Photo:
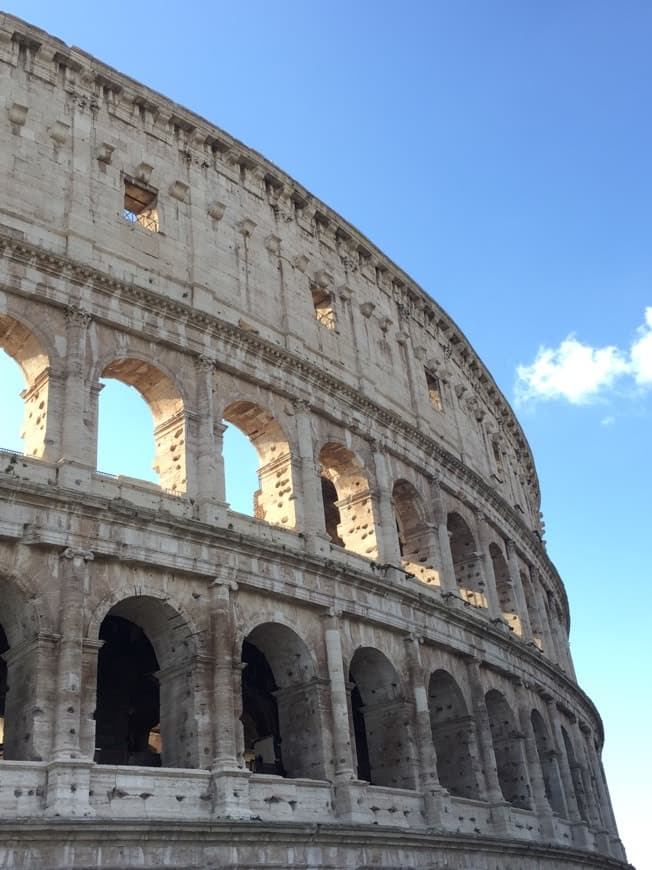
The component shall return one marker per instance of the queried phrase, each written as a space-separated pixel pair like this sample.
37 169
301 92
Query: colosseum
371 670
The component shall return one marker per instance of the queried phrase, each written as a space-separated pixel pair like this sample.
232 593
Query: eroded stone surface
374 670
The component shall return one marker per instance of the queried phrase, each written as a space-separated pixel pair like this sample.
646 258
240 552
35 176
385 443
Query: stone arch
381 716
165 401
576 775
147 591
512 773
145 705
415 534
350 519
281 704
466 562
274 501
505 589
548 762
453 735
28 350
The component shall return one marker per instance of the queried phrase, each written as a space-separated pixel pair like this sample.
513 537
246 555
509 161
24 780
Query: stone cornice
93 86
279 357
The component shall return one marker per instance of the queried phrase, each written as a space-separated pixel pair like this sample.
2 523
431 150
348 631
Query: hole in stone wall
139 205
434 390
322 302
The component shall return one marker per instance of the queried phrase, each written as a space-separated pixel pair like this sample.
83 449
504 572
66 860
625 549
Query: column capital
77 554
331 619
301 406
225 582
205 362
77 316
413 640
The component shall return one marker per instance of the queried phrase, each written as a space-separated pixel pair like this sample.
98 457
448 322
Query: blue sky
500 153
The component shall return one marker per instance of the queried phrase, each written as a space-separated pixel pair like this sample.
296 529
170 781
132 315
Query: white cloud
607 421
582 374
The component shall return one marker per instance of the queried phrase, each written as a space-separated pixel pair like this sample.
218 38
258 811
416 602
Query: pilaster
436 802
519 593
208 485
67 710
499 806
389 552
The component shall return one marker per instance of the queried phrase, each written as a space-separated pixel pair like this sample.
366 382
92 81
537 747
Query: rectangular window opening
322 302
140 205
434 390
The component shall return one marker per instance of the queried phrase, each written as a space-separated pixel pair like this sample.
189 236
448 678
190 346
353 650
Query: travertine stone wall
370 677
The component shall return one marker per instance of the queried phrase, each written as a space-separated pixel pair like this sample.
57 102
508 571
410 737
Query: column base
317 544
212 512
351 802
501 817
436 805
68 788
230 793
617 849
581 835
74 475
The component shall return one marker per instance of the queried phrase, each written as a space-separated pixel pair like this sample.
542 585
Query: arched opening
381 722
548 762
145 713
273 501
21 346
349 516
24 730
505 590
241 481
453 736
281 704
167 409
468 572
12 384
414 534
128 714
576 776
506 740
125 418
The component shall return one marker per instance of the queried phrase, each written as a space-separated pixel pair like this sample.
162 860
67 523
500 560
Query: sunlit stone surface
371 671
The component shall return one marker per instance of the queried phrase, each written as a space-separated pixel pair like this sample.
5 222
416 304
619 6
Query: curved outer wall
392 600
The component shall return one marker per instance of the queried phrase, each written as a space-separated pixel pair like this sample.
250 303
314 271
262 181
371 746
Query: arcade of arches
147 711
353 506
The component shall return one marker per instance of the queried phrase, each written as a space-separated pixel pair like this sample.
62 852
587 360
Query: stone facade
373 671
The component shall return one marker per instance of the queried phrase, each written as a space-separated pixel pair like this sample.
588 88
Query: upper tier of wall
242 242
